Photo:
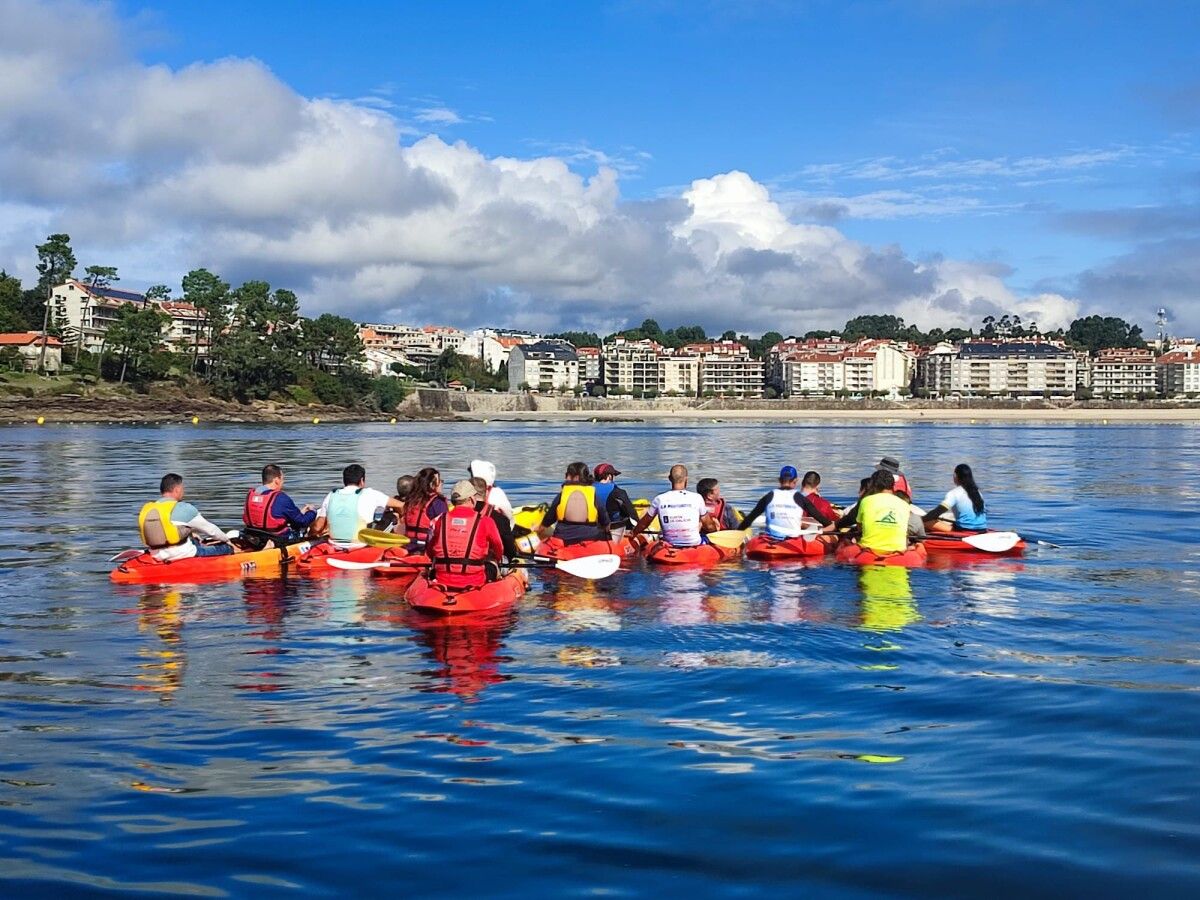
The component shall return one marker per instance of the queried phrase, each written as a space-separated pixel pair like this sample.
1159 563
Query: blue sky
1053 144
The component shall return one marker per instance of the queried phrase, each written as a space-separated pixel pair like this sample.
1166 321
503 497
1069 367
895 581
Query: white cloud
438 115
223 165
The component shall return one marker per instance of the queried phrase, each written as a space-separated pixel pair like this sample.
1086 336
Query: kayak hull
428 596
556 549
851 552
952 542
316 560
766 547
660 553
145 569
414 565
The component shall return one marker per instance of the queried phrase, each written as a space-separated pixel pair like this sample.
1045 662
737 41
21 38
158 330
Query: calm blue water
1026 726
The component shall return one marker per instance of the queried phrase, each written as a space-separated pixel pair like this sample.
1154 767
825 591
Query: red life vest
459 547
416 519
257 512
717 511
824 507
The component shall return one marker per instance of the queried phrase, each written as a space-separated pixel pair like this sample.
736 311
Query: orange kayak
766 547
145 569
556 549
851 552
430 597
405 573
660 553
952 542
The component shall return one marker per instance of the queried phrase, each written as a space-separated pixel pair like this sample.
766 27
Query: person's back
268 509
350 509
679 512
168 526
884 519
575 513
425 503
464 542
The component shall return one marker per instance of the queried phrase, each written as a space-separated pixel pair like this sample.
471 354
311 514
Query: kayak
851 552
317 559
145 569
406 572
952 542
766 547
430 597
556 549
528 518
660 553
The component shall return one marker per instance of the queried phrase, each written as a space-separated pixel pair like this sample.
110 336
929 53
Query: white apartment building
1021 368
934 368
427 341
1124 372
680 374
86 315
591 366
632 367
812 372
543 366
726 369
493 347
1179 372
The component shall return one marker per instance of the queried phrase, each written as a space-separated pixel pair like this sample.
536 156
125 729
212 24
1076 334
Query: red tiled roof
25 338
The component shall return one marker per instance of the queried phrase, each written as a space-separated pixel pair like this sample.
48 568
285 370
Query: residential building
543 366
591 365
1013 368
492 347
632 367
186 331
680 374
1124 372
424 343
727 369
84 314
28 345
1179 372
934 369
1083 369
812 372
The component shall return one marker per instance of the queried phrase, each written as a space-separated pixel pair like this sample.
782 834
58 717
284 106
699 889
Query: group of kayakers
471 535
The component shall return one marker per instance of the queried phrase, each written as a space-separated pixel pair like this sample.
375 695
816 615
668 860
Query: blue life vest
603 490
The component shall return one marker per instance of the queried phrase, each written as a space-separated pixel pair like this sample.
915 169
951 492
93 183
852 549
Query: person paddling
347 511
720 511
268 509
681 513
495 496
785 508
614 499
170 528
425 503
463 543
849 522
885 517
962 508
575 511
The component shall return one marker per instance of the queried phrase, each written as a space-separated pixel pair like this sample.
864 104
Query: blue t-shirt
965 516
183 513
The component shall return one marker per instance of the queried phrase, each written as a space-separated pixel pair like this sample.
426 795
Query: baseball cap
789 473
464 490
890 464
481 468
604 470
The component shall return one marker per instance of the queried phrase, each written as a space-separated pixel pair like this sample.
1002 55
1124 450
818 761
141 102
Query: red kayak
660 553
316 560
952 542
414 564
556 549
145 569
430 597
766 547
851 552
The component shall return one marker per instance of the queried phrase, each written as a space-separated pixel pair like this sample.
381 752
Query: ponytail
966 480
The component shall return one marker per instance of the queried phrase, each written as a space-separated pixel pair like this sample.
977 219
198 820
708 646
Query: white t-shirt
679 512
499 501
370 503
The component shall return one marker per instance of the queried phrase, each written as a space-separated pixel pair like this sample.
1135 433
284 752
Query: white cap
481 468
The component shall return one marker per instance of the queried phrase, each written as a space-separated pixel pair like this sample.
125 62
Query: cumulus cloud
221 164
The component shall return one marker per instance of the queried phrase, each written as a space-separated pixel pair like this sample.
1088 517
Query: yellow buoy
41 420
1104 421
316 421
195 420
392 420
972 421
485 421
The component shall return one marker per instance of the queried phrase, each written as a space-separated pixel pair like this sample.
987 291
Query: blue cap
788 473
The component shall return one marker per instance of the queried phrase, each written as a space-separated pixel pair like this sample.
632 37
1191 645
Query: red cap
604 470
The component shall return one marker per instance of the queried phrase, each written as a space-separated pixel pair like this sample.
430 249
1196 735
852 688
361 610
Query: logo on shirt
889 518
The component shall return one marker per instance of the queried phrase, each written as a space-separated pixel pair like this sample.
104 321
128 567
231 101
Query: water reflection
160 613
887 598
467 648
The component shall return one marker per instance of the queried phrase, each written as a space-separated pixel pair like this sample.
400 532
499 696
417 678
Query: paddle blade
375 538
350 566
993 541
126 555
728 540
590 567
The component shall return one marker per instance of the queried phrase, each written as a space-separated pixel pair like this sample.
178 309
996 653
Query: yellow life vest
884 521
588 493
157 529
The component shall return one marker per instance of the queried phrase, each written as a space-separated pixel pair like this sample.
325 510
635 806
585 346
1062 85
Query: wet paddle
988 541
728 540
126 555
592 568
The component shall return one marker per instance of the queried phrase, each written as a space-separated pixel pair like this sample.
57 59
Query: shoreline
954 414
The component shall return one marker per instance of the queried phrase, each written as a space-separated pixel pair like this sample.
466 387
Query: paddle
988 541
728 540
375 538
126 555
592 568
